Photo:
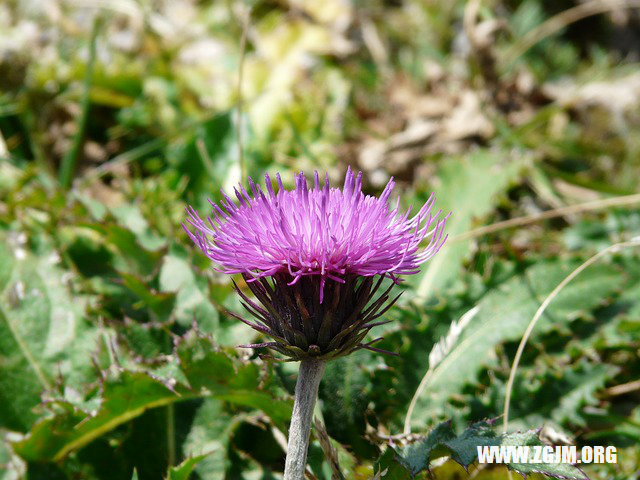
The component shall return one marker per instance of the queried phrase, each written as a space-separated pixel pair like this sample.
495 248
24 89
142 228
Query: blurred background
115 115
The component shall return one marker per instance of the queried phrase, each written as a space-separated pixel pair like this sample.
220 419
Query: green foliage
461 193
345 389
125 395
409 461
504 315
209 438
183 471
192 304
417 456
117 355
43 333
123 398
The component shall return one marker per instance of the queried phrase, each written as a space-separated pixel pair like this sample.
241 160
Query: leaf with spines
407 462
127 394
209 369
464 446
504 314
124 396
416 455
561 393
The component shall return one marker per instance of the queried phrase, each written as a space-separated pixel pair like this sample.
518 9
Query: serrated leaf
504 315
562 395
416 455
554 470
464 450
464 447
585 382
127 395
242 384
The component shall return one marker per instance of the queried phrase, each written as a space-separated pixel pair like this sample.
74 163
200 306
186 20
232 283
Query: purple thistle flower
309 256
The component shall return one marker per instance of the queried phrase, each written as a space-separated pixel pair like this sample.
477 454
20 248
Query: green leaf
124 397
43 334
591 288
130 256
127 395
555 470
585 383
130 217
416 455
183 471
463 448
389 467
242 384
466 190
160 304
562 393
345 389
207 157
209 438
504 315
191 293
527 16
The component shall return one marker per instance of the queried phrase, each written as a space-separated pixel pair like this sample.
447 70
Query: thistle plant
315 259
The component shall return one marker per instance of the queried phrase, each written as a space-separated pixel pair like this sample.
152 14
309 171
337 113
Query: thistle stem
309 377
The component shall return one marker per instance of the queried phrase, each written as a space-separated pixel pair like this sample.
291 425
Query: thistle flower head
309 255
